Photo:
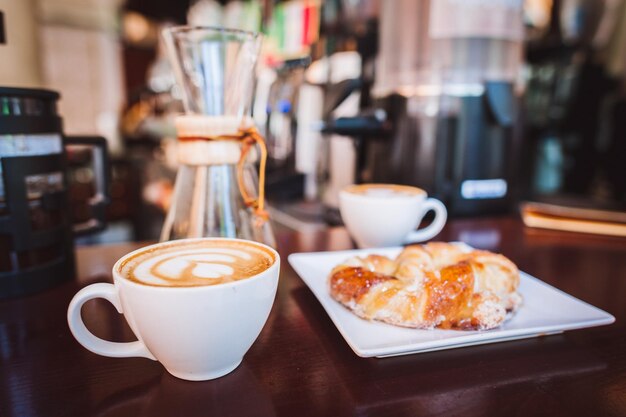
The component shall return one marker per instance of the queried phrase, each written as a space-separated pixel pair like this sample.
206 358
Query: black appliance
444 111
36 230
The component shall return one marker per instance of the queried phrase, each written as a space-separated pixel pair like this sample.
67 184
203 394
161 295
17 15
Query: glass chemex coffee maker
217 191
36 228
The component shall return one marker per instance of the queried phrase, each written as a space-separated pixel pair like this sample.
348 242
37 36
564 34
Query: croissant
433 285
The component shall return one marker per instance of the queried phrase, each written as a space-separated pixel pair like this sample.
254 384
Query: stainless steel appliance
447 79
576 106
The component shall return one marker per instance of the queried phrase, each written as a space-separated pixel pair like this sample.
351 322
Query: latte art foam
197 263
384 191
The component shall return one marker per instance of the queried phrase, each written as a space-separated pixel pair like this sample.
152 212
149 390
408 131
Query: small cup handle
88 339
430 231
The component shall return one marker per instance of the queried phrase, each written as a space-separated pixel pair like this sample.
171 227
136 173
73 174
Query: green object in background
252 14
280 26
275 30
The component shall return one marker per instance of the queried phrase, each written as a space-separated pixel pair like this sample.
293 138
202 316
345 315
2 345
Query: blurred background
484 104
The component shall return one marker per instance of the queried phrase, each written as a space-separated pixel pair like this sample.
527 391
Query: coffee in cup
197 263
195 305
379 215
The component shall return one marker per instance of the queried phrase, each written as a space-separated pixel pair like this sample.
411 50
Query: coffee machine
36 230
447 86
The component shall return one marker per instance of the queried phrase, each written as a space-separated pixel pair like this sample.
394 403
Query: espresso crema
197 263
384 190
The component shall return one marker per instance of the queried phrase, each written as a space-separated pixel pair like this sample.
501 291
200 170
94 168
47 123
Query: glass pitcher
217 191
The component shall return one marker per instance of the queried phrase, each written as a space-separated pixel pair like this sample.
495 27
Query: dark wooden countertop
301 366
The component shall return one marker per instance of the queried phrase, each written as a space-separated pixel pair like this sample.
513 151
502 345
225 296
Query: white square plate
546 310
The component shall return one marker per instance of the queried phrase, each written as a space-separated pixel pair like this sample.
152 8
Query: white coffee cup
197 333
380 215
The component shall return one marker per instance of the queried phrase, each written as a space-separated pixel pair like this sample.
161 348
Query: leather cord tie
248 137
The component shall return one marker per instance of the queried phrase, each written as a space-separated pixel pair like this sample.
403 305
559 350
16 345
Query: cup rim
415 191
175 30
117 275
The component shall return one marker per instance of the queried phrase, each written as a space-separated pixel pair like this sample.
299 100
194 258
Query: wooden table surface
301 366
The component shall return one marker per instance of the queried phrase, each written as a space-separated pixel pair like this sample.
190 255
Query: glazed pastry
434 285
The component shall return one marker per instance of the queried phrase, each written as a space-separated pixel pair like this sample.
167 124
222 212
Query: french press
36 230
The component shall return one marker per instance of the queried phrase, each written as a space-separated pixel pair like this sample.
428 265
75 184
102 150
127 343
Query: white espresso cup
197 332
380 215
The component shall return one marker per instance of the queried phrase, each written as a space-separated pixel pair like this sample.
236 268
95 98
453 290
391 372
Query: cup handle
88 339
430 231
